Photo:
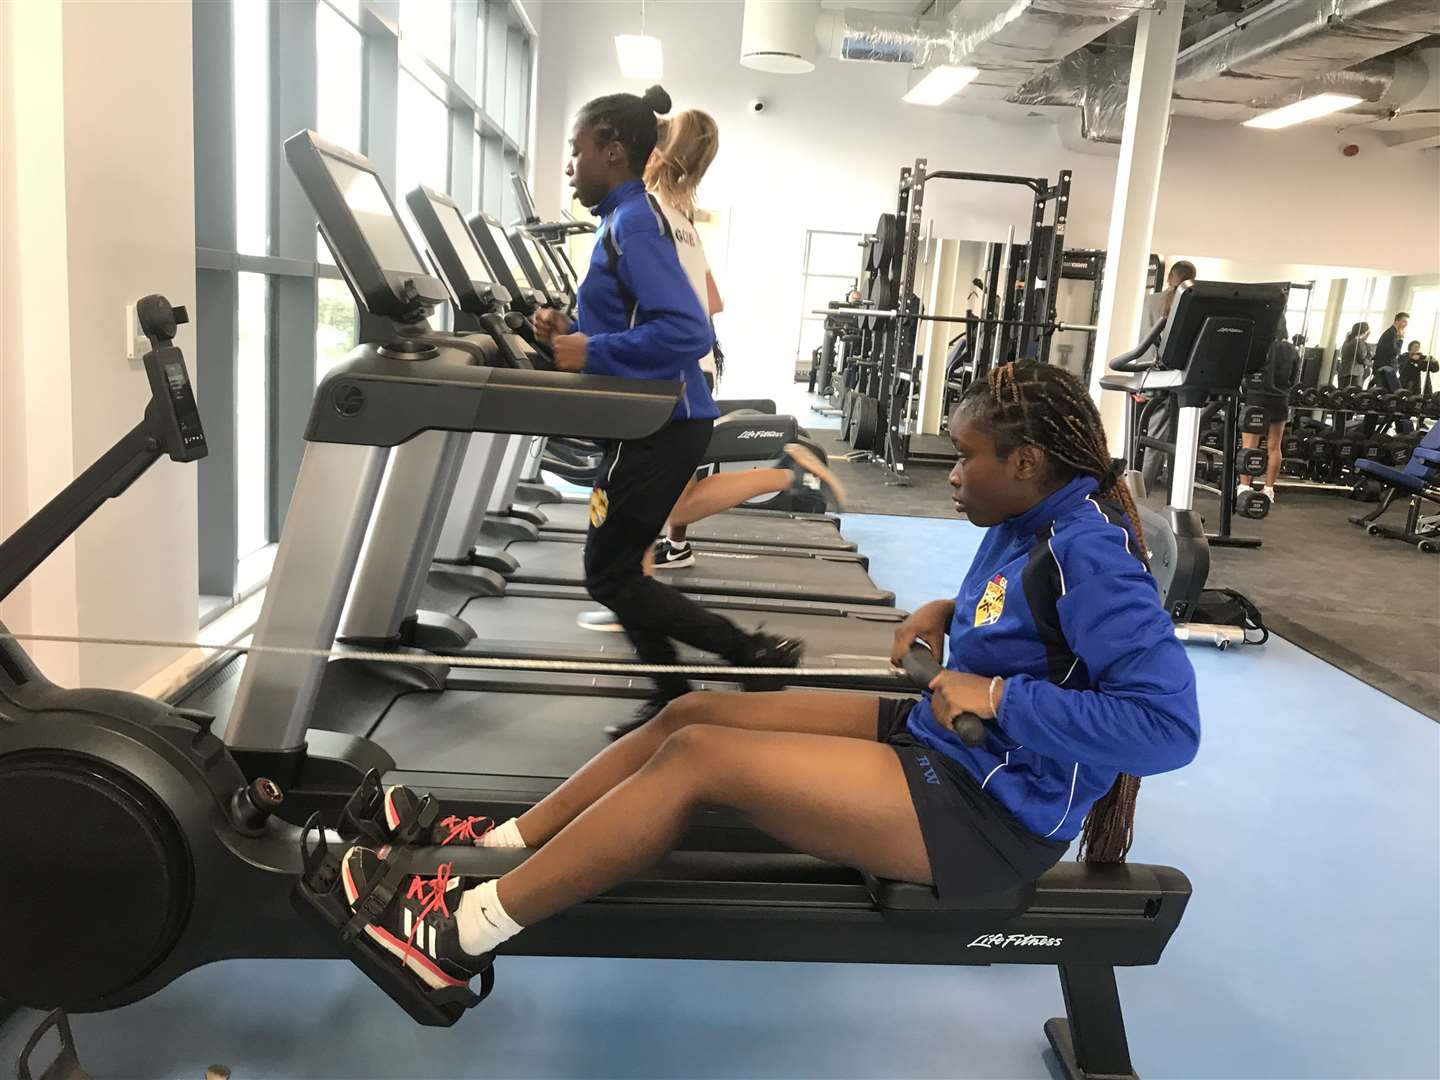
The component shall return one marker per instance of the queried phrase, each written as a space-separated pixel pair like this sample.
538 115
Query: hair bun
657 100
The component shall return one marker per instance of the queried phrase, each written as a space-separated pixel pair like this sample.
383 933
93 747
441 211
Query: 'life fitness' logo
761 435
1005 941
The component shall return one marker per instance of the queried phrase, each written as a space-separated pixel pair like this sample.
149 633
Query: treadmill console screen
376 218
502 241
453 222
542 264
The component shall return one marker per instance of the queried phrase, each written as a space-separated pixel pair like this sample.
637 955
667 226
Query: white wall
99 210
828 151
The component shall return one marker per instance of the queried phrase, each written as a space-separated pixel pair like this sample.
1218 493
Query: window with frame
442 99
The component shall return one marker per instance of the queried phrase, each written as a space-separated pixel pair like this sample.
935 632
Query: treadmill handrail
371 400
1136 359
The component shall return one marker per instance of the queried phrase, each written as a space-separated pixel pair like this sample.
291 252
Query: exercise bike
1215 334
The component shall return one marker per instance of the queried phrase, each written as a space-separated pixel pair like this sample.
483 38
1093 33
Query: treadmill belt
731 527
804 575
507 734
545 627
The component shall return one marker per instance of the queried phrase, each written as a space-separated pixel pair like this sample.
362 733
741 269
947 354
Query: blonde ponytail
688 144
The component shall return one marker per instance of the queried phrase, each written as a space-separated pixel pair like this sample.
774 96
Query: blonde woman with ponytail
688 143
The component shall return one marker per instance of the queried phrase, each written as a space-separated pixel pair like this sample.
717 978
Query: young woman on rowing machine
640 318
1056 639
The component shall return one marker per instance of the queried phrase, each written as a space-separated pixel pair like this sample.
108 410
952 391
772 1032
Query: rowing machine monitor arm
170 427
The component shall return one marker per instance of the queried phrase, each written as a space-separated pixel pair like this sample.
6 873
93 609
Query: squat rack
1027 330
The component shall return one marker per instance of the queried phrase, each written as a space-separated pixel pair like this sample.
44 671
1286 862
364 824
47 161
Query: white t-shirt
692 259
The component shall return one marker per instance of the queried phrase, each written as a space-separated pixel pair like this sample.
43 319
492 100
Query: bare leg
675 532
840 799
849 715
725 490
1273 440
1249 440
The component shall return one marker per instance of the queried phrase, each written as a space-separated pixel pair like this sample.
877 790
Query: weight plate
865 434
887 240
871 255
883 297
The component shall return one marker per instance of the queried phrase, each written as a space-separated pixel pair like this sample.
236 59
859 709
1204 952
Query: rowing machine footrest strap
318 896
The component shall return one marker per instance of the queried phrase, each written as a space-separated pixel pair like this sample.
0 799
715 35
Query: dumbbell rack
1342 407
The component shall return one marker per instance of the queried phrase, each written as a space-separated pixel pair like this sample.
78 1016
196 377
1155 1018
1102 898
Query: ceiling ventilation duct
1008 41
1013 41
1279 52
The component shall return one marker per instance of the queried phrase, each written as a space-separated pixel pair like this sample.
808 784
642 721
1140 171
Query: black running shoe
672 556
419 927
643 715
767 650
402 805
812 474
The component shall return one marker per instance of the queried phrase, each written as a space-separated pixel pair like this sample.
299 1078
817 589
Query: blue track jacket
1059 604
638 308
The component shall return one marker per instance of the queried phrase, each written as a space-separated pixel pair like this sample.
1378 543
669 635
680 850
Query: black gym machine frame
1023 326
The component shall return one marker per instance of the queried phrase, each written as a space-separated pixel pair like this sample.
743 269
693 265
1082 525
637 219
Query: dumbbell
1252 462
1212 437
1252 503
1293 445
1432 407
921 667
1328 397
1370 450
1322 448
1400 449
1365 401
1346 449
1307 397
1253 420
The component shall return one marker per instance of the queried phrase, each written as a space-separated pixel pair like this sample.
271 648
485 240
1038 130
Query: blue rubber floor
1309 824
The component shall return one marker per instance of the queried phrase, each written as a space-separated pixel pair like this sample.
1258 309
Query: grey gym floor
1368 605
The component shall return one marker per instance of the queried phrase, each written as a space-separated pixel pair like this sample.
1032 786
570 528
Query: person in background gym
688 145
1056 638
639 318
1386 379
1158 304
1354 356
1269 389
1387 349
1414 369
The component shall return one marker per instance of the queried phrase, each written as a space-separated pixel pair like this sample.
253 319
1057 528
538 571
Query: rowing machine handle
921 667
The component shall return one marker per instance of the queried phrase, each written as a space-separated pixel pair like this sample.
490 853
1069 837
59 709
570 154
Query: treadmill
527 260
420 583
517 264
538 726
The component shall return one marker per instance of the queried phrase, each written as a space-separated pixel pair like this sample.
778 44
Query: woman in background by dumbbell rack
1354 356
1268 390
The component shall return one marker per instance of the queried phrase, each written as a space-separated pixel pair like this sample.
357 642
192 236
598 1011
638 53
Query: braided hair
1034 404
628 120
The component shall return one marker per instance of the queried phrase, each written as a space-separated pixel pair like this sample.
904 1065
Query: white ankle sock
483 923
504 836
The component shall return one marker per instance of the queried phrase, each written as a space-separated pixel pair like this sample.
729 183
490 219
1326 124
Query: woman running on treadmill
639 318
687 146
1056 639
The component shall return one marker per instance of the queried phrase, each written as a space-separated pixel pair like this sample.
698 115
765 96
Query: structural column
1137 189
